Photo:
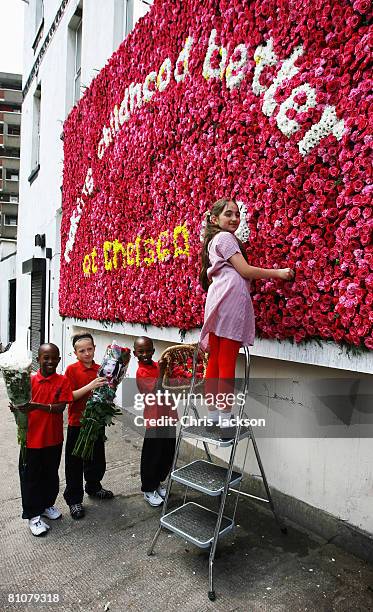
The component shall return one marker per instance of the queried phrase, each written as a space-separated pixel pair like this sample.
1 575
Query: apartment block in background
10 135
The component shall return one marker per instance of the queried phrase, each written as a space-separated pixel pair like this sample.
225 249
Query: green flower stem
99 412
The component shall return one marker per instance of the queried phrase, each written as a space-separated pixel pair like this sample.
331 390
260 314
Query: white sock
225 419
213 415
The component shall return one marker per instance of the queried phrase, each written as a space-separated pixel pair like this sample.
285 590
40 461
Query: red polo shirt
146 378
79 376
44 428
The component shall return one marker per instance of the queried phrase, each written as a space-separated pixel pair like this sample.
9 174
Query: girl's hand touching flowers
286 274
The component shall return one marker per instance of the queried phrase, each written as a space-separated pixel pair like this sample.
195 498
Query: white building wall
332 474
40 201
7 273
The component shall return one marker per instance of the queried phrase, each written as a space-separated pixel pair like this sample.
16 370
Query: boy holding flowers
82 376
38 469
159 442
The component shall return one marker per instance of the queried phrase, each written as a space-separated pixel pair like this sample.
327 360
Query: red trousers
221 366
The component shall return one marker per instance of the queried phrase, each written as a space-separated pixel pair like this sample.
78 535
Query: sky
11 37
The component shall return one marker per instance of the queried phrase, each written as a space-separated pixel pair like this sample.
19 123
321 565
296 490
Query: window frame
36 134
129 12
14 217
39 23
11 170
77 69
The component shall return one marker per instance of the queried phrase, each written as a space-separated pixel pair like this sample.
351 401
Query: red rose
362 6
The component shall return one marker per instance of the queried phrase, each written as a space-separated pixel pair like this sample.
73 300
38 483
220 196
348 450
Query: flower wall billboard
265 102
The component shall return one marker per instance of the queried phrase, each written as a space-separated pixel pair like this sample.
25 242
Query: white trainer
52 513
37 526
153 498
162 491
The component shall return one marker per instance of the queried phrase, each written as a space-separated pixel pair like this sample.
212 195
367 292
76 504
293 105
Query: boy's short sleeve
66 394
226 245
69 374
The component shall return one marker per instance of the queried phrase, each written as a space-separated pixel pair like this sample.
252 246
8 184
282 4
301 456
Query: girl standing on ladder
229 321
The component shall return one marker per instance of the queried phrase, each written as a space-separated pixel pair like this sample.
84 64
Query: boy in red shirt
159 442
82 376
38 473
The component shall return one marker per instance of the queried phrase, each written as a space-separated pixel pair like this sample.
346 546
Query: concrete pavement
100 562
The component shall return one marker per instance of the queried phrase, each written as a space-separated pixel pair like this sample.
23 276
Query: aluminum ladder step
204 476
195 524
211 436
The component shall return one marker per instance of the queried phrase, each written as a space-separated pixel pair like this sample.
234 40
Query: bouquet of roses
114 364
100 409
15 366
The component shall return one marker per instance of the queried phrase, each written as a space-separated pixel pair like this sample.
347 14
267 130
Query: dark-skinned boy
38 467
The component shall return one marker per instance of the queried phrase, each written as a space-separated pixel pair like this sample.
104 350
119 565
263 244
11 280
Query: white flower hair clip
206 217
242 232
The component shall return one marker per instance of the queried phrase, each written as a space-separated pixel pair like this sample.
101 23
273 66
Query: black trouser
157 455
75 467
39 479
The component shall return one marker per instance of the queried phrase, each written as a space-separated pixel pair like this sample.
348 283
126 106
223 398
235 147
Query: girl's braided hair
210 232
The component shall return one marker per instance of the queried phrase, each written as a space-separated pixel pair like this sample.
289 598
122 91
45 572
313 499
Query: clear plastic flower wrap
114 364
100 409
15 366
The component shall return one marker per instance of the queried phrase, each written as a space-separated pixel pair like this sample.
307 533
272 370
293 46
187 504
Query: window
35 147
8 84
39 23
13 130
11 174
134 9
74 59
11 152
9 107
39 15
8 197
77 61
10 220
140 8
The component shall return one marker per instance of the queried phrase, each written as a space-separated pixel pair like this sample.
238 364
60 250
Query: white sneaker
37 526
153 498
52 513
162 491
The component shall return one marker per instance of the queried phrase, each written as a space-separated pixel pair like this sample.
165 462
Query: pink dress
229 310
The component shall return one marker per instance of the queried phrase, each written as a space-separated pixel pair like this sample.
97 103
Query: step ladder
194 522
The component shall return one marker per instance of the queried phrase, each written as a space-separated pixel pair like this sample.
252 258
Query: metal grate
195 523
37 315
212 436
205 477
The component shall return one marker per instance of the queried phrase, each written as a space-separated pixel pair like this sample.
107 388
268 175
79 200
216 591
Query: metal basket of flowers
178 369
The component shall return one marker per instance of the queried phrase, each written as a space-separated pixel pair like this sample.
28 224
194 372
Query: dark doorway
12 310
